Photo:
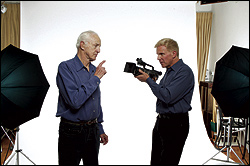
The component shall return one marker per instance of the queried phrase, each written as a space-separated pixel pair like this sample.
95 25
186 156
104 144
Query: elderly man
174 94
80 130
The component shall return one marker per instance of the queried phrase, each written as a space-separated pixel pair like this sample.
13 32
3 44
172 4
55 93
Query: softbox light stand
228 146
17 151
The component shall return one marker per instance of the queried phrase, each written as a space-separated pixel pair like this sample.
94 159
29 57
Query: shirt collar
79 64
176 66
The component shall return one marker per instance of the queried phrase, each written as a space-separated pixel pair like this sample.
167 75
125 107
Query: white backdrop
128 30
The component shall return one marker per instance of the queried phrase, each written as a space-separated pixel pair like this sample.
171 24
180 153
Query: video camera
132 68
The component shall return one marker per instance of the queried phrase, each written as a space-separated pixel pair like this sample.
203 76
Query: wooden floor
6 146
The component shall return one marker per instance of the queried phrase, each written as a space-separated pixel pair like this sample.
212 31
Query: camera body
132 68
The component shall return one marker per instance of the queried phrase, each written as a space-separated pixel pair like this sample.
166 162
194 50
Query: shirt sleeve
100 120
74 93
181 84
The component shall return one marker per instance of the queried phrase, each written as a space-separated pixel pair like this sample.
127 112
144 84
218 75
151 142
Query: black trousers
169 136
78 142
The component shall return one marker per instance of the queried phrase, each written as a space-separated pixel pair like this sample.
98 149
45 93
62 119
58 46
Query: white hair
84 36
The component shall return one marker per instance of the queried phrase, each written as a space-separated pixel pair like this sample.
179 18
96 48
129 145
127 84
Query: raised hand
100 71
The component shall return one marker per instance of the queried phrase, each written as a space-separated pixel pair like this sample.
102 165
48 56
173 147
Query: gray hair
85 37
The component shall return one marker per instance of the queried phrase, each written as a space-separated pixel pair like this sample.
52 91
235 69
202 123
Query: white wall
128 30
230 27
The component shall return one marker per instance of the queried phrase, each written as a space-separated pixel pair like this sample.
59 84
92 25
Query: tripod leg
17 155
28 158
214 155
231 149
20 149
10 158
245 142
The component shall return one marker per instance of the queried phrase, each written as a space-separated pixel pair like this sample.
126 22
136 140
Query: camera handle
140 62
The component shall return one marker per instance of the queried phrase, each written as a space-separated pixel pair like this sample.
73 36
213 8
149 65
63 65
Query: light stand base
17 153
229 148
18 150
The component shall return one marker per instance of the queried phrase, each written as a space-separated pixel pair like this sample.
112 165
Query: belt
172 115
90 122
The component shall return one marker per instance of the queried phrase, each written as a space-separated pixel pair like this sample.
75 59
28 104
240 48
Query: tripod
228 146
17 150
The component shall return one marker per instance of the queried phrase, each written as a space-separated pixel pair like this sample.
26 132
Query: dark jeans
169 136
78 142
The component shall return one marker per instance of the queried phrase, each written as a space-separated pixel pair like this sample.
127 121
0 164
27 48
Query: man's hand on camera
143 77
100 71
